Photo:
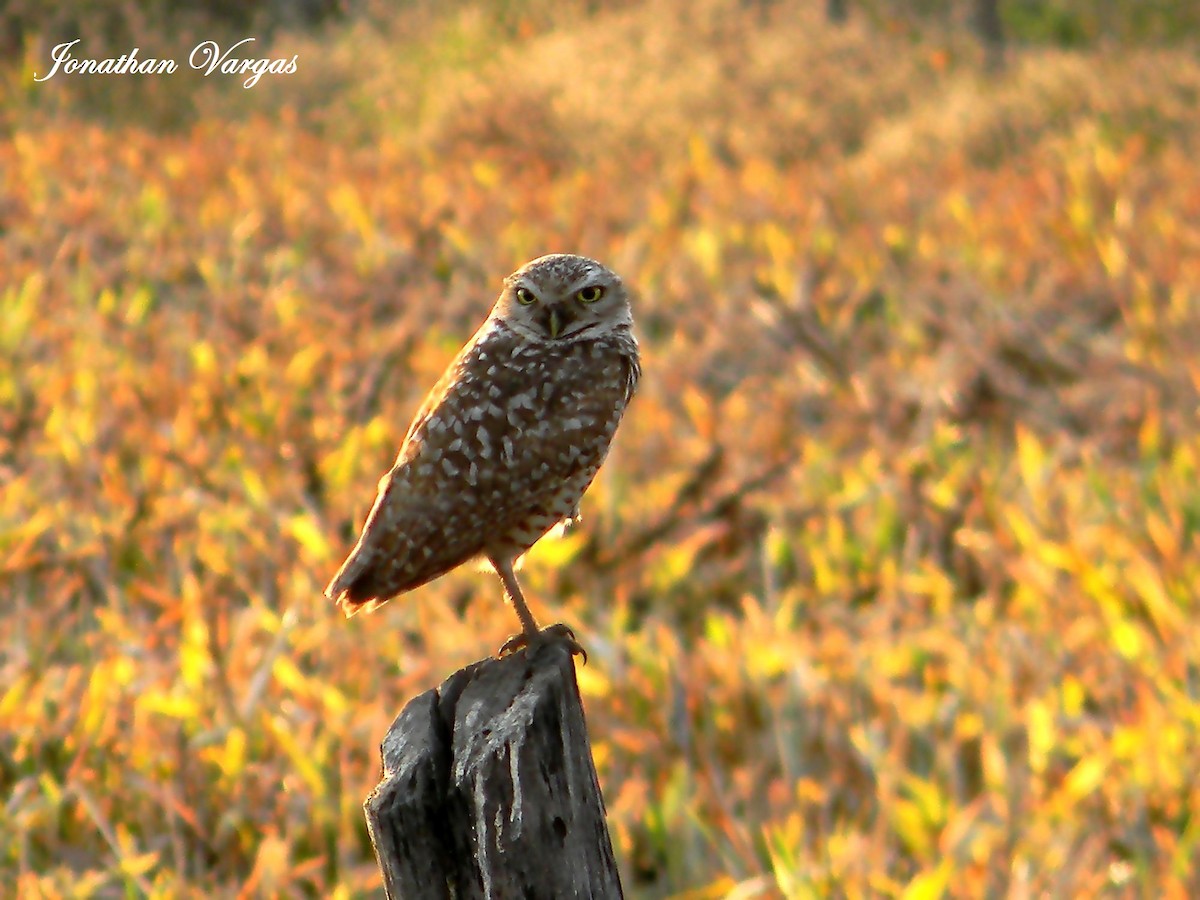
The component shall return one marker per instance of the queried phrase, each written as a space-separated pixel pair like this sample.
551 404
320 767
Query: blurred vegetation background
889 584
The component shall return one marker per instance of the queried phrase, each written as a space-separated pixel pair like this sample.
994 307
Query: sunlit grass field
889 585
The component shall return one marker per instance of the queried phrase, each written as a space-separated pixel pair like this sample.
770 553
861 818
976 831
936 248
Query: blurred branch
111 838
795 323
694 504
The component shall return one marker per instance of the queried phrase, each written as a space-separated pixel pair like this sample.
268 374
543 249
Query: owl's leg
531 635
512 593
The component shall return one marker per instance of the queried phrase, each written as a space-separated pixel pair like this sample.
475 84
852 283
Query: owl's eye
525 296
590 294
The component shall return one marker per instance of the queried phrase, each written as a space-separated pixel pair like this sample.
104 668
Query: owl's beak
555 320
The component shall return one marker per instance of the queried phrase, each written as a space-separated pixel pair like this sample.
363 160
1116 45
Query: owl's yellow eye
525 296
590 294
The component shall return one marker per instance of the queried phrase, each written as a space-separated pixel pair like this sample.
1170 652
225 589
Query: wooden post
489 790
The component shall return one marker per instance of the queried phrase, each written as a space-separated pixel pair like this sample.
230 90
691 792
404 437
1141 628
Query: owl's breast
553 408
516 432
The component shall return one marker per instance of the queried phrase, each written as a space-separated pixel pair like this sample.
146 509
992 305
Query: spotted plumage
506 443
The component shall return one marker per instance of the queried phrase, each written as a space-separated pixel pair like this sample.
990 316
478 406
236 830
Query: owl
506 443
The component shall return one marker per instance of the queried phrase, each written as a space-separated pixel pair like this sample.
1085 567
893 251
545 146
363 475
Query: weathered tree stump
489 789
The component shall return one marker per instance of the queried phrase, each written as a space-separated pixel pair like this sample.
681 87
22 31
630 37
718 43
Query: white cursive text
127 64
207 55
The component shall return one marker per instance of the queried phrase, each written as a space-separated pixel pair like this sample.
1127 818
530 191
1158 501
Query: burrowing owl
508 440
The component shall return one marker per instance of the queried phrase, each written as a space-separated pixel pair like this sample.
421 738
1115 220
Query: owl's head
562 297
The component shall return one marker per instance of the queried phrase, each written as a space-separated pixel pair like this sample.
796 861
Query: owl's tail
352 588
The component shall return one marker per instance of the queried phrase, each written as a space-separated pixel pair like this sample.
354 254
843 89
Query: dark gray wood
489 789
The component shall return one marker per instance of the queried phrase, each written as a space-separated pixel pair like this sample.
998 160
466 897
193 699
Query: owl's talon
552 634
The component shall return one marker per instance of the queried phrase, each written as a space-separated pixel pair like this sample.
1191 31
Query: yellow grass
889 584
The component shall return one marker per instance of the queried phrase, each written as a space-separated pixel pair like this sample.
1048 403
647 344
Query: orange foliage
888 584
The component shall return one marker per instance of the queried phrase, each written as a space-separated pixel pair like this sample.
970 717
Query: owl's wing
356 587
397 529
349 589
633 370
